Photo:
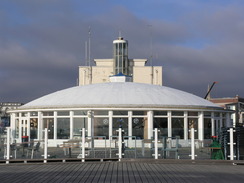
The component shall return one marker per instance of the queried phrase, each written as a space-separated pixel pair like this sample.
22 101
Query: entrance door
24 127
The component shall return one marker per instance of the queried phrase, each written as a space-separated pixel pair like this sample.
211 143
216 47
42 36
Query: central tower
121 62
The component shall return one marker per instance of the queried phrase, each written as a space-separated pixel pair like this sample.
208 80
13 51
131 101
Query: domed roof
119 95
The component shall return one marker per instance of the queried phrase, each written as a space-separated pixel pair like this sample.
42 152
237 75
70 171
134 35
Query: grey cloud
42 54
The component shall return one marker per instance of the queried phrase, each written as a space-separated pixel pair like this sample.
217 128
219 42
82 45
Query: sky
42 42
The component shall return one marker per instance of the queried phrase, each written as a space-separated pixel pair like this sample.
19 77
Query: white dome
119 95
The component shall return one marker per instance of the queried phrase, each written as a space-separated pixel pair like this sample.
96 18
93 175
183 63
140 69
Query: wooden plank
89 172
114 172
104 172
120 173
125 172
136 173
130 172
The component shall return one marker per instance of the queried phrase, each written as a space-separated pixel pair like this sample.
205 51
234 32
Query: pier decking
125 171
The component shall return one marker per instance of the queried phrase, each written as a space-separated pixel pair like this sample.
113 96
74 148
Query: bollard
156 143
45 144
120 141
192 131
231 156
8 146
83 144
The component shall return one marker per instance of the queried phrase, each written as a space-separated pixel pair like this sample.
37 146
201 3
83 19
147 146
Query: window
101 113
138 127
139 113
101 127
177 113
48 113
162 125
78 124
193 123
80 113
63 128
192 113
49 124
120 113
63 113
120 123
178 127
160 113
33 128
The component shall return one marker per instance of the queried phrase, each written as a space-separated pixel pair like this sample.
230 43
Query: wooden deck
126 171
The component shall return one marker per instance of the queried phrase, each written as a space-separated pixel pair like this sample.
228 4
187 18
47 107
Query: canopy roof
119 95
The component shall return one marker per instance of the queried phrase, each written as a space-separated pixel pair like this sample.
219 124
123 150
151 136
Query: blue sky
196 41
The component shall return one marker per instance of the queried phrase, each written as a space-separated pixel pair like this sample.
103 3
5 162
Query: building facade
104 108
232 103
120 63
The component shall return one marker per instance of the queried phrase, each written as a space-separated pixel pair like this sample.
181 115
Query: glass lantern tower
121 63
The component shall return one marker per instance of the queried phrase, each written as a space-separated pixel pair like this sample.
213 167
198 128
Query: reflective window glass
177 113
63 128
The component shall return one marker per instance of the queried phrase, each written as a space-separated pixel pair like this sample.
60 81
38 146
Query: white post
231 156
192 131
169 124
110 114
83 144
212 124
185 125
45 144
120 144
8 146
150 124
156 143
90 123
130 127
71 124
201 126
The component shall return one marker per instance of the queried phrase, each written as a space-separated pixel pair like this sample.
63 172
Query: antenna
151 47
86 57
89 47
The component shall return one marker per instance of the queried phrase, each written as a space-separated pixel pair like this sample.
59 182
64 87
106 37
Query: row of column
148 127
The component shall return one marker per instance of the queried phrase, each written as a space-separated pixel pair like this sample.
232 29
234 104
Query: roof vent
120 78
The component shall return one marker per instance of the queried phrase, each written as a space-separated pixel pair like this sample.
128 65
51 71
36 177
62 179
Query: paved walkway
125 171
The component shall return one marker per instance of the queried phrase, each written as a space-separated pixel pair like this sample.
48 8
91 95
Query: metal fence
118 147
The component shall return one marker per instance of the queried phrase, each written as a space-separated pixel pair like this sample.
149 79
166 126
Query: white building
102 108
120 63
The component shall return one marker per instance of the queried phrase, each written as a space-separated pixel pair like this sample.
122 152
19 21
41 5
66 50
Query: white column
150 124
20 127
55 125
130 124
212 124
40 126
90 123
28 124
71 114
12 126
200 126
169 124
185 125
110 116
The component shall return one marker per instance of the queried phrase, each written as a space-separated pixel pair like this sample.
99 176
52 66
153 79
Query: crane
210 90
